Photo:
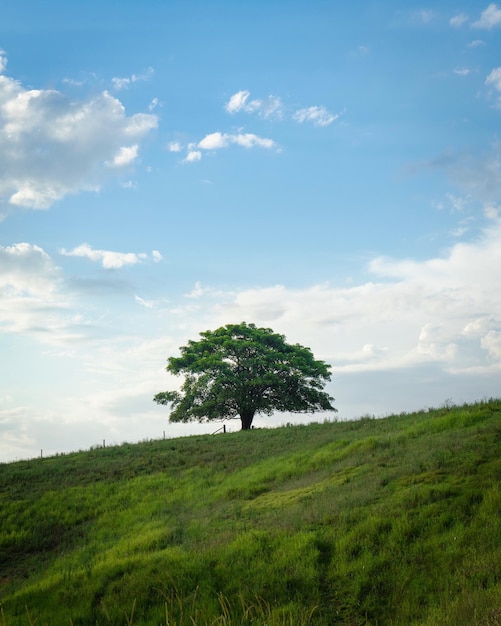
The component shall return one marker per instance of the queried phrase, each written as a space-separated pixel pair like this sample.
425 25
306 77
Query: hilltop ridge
373 521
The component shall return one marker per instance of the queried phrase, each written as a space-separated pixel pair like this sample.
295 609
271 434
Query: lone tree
239 370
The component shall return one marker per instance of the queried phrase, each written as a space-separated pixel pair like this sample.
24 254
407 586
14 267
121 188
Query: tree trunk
246 417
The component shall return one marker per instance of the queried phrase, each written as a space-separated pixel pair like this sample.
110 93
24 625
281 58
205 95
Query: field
373 521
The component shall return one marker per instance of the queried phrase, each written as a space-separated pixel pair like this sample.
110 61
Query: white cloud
3 60
491 211
318 115
215 141
122 83
415 312
218 141
492 343
458 20
462 71
270 107
237 101
157 257
125 156
193 156
51 147
489 18
476 43
423 16
494 79
199 291
32 301
147 304
174 146
108 258
27 269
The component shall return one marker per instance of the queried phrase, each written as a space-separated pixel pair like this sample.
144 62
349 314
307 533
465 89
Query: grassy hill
388 521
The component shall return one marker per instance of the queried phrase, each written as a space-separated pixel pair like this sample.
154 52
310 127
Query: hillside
375 521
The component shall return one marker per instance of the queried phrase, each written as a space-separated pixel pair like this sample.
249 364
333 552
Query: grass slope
388 521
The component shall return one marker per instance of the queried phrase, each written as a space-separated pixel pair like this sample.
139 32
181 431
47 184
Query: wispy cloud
3 60
490 18
273 107
494 80
147 304
123 83
423 16
218 141
270 107
458 20
318 116
32 298
109 259
51 146
27 269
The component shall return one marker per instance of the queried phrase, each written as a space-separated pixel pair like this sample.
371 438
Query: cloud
458 20
272 107
443 311
193 156
318 115
123 83
462 71
476 43
125 156
237 102
27 269
215 141
154 104
494 79
51 146
109 259
147 304
32 301
174 146
423 16
477 174
3 60
219 141
490 18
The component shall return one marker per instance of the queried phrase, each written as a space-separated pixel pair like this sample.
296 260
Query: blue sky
329 170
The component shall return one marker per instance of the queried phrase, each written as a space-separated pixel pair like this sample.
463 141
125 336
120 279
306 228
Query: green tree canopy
240 370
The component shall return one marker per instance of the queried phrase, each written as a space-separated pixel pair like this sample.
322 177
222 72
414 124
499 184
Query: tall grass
391 521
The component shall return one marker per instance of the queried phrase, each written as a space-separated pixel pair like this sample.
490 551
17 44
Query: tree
240 370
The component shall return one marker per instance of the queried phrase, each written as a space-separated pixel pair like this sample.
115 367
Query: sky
328 170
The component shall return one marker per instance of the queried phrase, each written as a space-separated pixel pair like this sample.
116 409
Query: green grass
389 521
